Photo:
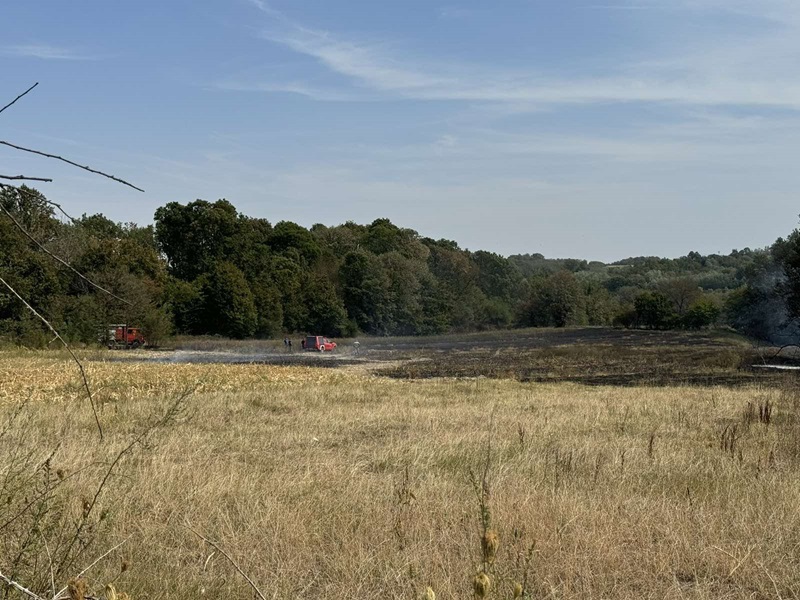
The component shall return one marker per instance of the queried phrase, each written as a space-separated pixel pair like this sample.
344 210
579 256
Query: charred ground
591 356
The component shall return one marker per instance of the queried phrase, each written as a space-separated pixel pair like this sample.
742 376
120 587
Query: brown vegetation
330 484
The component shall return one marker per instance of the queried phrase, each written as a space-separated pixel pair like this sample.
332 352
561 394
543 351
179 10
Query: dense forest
204 268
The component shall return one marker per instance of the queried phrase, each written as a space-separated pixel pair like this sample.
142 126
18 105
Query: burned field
585 356
589 356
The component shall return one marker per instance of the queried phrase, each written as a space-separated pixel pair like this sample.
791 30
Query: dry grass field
338 483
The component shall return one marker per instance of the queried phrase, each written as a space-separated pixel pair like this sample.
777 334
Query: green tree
703 313
268 303
366 292
683 292
29 271
287 277
497 277
458 301
786 253
326 314
229 307
654 311
556 301
288 236
196 236
184 301
600 306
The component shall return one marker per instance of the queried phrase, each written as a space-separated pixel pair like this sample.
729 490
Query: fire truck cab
125 336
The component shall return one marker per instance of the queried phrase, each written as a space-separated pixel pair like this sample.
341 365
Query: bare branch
168 415
71 353
24 178
18 97
69 162
49 564
230 560
61 260
772 579
20 588
82 573
782 348
55 205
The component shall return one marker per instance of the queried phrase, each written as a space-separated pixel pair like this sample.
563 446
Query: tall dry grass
331 484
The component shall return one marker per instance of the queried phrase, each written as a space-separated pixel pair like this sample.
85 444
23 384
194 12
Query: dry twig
19 588
49 565
71 353
59 259
56 205
25 178
70 162
59 596
18 97
218 548
168 415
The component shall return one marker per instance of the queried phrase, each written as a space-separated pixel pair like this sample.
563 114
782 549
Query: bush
654 311
703 313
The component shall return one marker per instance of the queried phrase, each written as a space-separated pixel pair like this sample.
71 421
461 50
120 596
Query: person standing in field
356 347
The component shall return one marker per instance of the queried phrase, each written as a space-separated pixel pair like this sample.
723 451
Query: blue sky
590 128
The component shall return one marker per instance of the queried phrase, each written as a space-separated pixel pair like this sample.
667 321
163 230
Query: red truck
319 343
124 336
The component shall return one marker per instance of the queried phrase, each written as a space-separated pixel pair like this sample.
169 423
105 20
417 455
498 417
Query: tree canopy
205 268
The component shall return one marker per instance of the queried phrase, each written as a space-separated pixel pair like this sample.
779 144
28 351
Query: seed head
430 594
77 589
517 590
489 545
481 584
111 592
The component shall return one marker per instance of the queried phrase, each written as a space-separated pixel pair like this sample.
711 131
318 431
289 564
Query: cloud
265 8
299 88
751 69
46 52
361 62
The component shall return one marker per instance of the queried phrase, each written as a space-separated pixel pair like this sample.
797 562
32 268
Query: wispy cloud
362 62
265 8
753 70
299 88
47 52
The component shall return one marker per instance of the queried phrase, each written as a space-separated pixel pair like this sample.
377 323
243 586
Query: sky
597 129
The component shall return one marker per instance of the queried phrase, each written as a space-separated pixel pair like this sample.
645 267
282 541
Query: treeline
204 268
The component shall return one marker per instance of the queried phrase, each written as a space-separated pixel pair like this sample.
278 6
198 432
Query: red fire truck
319 343
125 336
